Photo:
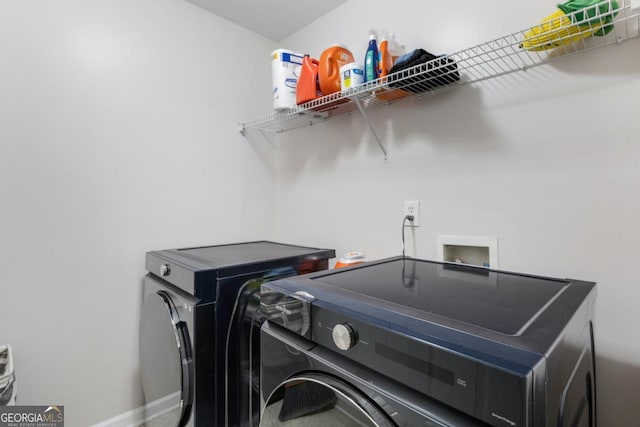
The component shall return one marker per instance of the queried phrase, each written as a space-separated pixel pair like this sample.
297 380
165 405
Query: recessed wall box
472 250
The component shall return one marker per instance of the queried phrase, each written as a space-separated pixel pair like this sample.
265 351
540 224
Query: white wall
117 136
545 160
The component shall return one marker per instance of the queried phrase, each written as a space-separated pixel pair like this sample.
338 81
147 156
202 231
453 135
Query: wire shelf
558 36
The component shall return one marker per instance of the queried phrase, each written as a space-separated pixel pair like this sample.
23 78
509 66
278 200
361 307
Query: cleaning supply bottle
308 87
385 63
390 50
371 60
395 49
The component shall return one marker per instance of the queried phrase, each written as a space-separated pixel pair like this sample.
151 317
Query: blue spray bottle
371 60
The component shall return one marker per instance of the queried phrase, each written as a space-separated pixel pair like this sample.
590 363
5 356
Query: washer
190 338
327 389
408 342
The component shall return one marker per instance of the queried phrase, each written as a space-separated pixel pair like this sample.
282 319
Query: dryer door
166 362
320 400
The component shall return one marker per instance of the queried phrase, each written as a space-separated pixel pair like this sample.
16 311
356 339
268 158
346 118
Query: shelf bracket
373 131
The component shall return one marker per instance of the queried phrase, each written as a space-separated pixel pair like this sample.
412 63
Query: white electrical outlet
412 207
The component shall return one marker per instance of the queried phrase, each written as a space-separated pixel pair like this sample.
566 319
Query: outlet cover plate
412 207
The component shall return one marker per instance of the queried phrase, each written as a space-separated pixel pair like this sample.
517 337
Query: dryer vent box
470 250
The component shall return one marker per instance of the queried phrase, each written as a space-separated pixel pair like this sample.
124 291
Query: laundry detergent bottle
371 60
308 87
329 69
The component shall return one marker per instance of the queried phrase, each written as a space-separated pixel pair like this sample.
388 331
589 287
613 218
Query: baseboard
133 418
136 417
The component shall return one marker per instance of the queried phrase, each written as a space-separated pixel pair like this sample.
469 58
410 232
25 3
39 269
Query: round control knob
165 270
344 336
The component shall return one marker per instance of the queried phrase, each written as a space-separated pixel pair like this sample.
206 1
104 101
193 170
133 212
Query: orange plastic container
386 62
329 68
308 89
351 258
391 94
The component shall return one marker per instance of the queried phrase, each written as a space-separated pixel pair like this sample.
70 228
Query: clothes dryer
188 346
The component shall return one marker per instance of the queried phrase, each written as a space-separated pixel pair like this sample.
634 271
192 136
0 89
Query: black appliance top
220 257
499 302
434 300
224 256
194 269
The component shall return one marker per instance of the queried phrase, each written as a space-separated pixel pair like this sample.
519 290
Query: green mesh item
587 7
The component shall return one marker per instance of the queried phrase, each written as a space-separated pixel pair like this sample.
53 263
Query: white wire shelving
557 38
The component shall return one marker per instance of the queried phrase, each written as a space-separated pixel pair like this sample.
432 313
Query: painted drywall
545 160
117 136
